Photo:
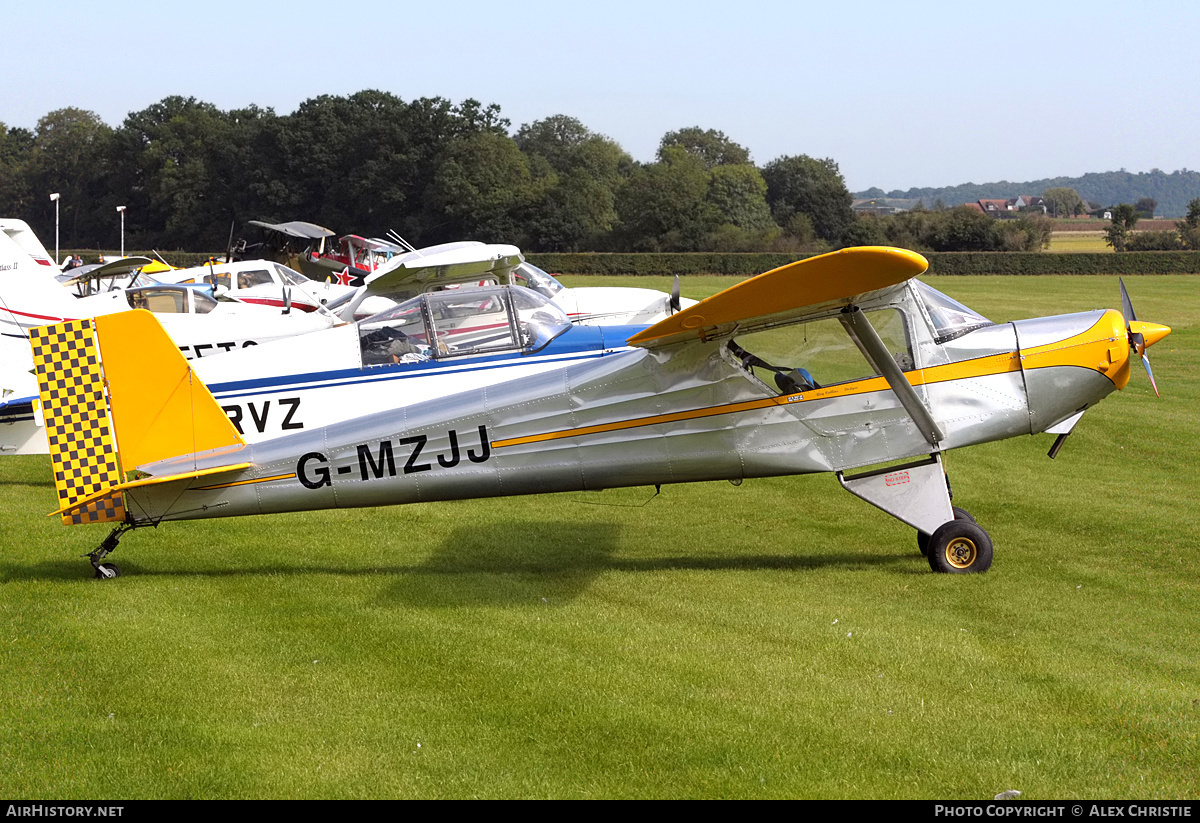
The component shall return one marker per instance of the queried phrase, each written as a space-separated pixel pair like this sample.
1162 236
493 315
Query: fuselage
610 416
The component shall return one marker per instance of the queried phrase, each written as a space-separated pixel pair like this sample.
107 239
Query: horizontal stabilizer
790 291
83 503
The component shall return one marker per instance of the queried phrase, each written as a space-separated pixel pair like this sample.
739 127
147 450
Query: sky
900 95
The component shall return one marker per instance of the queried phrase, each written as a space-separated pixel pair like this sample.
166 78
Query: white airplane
470 263
841 363
31 297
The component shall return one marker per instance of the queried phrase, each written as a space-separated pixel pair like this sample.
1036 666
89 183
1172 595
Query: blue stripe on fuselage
577 342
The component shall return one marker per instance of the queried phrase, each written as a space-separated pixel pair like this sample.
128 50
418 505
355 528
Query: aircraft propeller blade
1137 340
675 303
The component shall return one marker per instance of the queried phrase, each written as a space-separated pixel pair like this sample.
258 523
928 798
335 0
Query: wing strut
867 340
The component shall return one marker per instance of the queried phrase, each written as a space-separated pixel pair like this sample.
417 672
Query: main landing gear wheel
923 538
959 547
107 571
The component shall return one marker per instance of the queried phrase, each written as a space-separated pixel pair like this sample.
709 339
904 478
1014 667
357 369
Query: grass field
778 639
1078 241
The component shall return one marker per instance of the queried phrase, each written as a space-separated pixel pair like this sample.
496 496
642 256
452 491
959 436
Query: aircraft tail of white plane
19 232
29 294
104 418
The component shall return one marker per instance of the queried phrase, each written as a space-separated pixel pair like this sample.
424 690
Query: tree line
1170 190
432 170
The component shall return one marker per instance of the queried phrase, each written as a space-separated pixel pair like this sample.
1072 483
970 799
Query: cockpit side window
395 336
160 300
460 322
949 318
256 277
531 277
468 321
203 302
817 353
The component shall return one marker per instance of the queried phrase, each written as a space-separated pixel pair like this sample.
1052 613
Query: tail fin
29 294
117 394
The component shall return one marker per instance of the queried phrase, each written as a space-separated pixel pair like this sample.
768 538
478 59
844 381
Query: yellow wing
805 287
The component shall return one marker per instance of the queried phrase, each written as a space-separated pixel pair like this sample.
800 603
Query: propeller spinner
1141 335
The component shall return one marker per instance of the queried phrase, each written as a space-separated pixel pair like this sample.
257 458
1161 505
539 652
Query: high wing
124 267
789 293
424 269
295 228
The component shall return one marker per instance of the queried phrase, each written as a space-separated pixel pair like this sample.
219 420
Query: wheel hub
961 552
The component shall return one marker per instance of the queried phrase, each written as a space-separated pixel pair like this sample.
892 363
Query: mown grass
780 639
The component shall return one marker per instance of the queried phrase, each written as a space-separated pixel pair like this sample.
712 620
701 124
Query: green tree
664 206
1063 201
69 155
16 147
804 185
739 195
712 147
483 189
1145 207
1189 227
577 209
1124 218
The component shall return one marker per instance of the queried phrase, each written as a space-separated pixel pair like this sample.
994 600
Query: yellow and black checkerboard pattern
82 447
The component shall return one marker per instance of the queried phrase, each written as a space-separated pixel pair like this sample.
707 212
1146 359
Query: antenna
402 242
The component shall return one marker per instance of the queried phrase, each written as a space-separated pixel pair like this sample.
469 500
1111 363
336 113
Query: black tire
107 571
923 537
959 547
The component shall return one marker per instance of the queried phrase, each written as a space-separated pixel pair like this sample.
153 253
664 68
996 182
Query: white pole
121 211
54 197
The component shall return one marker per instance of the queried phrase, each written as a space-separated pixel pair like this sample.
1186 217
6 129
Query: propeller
1141 335
674 304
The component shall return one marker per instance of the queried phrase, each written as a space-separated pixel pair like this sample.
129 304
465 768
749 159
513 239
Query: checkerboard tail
82 447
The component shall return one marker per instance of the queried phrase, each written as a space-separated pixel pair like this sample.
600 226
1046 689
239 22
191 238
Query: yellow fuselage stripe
244 482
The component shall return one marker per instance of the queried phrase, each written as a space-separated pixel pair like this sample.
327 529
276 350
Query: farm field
1078 241
777 639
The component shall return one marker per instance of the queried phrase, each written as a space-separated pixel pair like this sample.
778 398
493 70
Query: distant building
1011 207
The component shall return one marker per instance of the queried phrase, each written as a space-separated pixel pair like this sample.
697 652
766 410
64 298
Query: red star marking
345 277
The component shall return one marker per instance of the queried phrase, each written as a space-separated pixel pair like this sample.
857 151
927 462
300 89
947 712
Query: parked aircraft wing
113 268
295 228
453 265
790 292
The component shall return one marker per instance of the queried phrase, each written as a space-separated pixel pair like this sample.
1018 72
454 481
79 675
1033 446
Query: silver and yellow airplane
842 363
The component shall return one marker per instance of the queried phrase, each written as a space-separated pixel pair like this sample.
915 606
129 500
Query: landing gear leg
918 494
107 571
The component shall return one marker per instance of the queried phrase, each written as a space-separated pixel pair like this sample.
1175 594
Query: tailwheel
107 571
959 547
923 537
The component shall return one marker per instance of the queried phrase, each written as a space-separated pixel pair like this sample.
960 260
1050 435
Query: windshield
950 318
459 322
531 277
291 276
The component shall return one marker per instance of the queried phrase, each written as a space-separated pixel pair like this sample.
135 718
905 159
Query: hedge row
744 265
178 259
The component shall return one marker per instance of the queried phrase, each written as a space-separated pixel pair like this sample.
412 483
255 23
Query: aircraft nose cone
1151 332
